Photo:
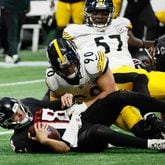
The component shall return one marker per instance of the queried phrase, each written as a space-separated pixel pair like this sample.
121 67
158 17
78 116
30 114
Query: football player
86 75
80 130
69 69
101 31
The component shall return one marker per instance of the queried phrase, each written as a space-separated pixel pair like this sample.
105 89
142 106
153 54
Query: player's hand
41 132
67 100
76 109
160 39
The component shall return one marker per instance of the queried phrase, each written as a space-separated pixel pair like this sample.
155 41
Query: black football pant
96 137
95 133
140 82
11 27
105 111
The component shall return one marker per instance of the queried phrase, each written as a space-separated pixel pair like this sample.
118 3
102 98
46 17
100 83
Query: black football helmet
143 59
159 55
62 54
98 5
8 107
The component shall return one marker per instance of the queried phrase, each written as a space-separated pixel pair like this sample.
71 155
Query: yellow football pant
67 11
156 80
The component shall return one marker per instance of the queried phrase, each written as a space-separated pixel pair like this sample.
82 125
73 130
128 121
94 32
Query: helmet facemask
92 8
64 67
9 110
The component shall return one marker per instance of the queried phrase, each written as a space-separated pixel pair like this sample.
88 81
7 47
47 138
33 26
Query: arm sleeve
55 105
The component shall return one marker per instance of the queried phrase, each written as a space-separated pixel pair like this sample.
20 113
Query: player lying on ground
79 130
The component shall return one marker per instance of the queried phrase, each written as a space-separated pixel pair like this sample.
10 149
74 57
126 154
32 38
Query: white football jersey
92 64
112 39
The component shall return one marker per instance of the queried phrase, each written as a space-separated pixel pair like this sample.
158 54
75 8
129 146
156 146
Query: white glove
76 109
71 133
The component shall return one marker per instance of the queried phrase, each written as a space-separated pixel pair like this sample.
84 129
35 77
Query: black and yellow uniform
129 116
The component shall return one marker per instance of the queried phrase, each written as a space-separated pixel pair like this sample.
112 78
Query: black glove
160 39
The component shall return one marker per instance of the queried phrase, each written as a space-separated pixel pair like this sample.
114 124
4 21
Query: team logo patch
120 29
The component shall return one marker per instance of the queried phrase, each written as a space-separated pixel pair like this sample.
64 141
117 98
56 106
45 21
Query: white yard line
6 132
24 63
21 83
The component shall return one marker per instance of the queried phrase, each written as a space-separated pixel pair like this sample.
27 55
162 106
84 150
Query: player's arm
138 43
106 85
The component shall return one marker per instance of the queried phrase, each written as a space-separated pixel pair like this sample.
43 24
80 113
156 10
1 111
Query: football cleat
154 125
157 144
12 60
16 58
8 59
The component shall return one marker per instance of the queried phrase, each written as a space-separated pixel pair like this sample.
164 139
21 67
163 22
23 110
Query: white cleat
157 144
8 59
16 58
12 60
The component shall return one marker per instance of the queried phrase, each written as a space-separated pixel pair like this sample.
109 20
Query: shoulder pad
124 22
70 31
96 63
51 79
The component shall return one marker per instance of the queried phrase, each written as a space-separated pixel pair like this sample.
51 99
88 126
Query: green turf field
26 81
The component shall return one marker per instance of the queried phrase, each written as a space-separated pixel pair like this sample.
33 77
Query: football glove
160 39
76 109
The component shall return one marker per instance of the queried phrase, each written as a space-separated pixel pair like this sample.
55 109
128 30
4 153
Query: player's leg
62 16
139 81
104 111
77 10
107 110
141 101
156 84
156 80
98 136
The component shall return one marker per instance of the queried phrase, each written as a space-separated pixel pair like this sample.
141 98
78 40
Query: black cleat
154 125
